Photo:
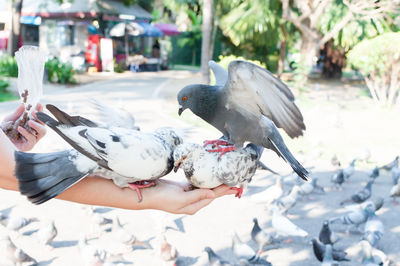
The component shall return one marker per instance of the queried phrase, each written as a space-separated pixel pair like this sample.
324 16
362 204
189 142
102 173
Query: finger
28 136
198 195
223 190
195 207
39 107
17 113
40 129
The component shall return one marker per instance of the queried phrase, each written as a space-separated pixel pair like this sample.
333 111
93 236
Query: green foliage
4 94
118 68
8 66
378 59
225 60
4 85
59 72
374 55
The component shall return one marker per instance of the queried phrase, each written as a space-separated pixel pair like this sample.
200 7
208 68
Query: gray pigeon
395 173
261 237
245 252
129 157
326 235
395 192
338 179
328 257
374 229
17 255
361 195
249 105
309 187
15 222
214 259
319 252
355 217
349 171
47 232
208 170
374 173
389 166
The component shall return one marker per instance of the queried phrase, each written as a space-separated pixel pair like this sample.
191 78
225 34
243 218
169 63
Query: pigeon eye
184 98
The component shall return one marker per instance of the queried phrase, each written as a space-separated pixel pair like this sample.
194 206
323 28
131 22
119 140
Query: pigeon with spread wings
247 104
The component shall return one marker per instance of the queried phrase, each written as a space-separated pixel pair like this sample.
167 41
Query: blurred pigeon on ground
247 106
167 251
16 254
389 166
208 170
47 232
261 237
15 222
309 187
326 235
90 255
354 218
112 116
395 173
349 171
270 194
377 204
214 259
114 153
361 195
338 179
395 192
319 251
283 226
374 229
373 256
374 173
288 201
335 161
328 257
244 251
126 237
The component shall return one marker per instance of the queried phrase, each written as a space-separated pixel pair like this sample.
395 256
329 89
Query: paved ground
338 120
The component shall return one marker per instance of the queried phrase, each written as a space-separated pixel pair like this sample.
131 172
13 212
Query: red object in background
3 39
92 54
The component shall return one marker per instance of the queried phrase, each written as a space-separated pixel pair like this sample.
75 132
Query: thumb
17 113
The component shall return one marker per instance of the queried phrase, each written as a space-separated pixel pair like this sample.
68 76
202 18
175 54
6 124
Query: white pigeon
283 226
288 201
129 157
47 232
204 169
113 116
16 254
270 194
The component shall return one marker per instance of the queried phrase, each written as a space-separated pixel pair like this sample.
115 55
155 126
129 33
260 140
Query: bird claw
136 186
222 150
216 142
239 191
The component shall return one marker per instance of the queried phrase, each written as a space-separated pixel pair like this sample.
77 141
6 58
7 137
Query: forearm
7 163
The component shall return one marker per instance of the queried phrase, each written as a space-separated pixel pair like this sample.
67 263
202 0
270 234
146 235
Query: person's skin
167 195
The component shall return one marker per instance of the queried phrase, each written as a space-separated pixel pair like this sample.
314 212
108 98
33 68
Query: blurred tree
378 59
306 14
206 39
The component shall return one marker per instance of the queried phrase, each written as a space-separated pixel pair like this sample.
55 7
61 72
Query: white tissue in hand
30 72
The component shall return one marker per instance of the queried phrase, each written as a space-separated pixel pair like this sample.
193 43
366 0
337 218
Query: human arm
167 195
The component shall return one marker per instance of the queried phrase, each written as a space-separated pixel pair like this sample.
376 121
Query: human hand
173 197
29 139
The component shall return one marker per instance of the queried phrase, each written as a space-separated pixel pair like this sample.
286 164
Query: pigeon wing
256 91
220 73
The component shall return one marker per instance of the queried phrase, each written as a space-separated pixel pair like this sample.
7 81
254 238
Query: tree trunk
206 39
282 50
309 51
14 38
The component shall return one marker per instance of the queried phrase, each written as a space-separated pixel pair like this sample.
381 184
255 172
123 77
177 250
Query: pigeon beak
176 167
180 111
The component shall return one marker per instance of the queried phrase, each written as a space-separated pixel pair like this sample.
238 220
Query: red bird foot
239 191
136 186
222 150
216 142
